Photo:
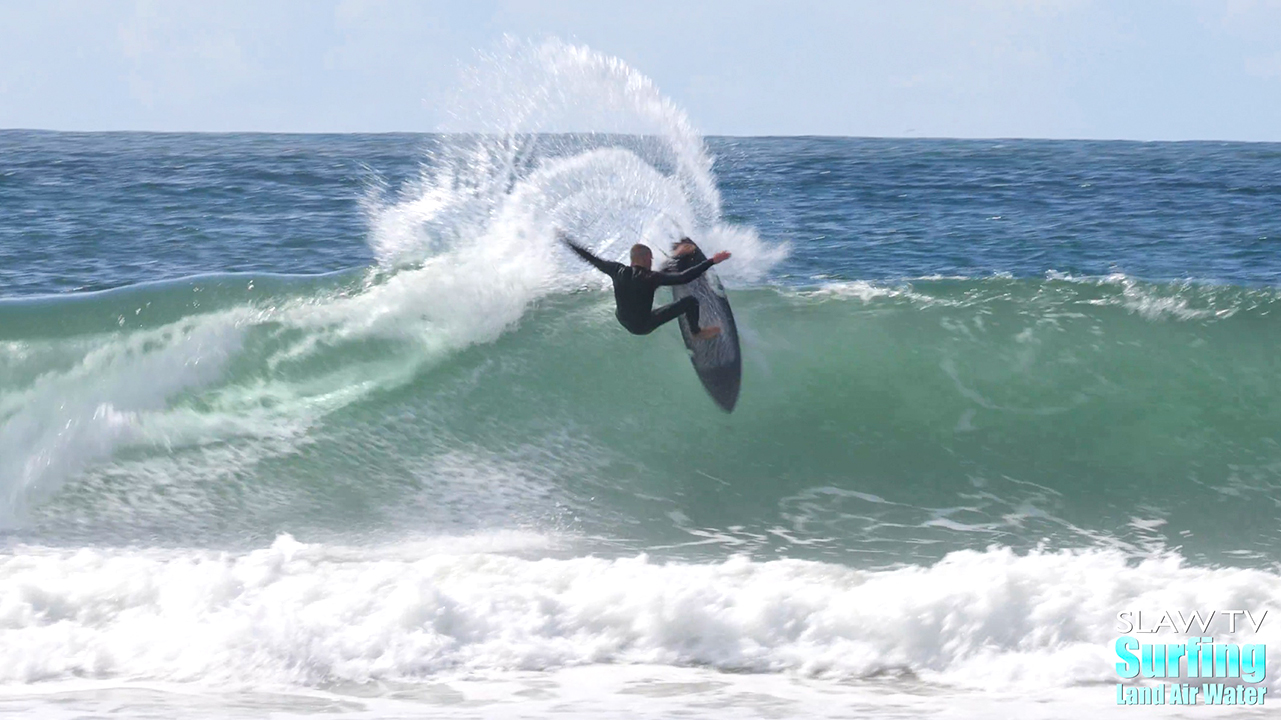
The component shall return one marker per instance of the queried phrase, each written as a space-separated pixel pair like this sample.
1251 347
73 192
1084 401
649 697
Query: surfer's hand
720 257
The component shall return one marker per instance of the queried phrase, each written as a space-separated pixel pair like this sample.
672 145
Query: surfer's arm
605 266
688 275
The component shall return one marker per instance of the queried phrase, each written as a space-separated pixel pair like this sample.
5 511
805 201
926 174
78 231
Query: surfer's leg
687 306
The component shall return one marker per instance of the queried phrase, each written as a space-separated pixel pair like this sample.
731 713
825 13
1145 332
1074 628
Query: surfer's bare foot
707 333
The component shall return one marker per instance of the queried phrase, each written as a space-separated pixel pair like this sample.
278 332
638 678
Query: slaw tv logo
1196 671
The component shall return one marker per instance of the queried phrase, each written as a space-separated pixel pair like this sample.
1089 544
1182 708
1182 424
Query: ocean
330 426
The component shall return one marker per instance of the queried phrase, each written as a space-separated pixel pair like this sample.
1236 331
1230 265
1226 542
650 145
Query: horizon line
771 136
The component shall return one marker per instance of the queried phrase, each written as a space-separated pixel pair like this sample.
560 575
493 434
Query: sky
1109 69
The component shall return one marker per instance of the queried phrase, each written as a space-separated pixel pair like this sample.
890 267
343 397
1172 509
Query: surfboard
719 360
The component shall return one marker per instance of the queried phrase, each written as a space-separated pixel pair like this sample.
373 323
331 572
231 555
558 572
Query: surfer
635 284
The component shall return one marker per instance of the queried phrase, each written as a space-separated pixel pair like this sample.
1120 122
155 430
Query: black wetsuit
634 293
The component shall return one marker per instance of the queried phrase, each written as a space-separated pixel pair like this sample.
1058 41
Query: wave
880 423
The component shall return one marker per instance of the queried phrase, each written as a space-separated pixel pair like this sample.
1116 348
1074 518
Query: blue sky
1134 69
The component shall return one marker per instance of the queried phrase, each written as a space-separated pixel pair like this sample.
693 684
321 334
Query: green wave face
877 424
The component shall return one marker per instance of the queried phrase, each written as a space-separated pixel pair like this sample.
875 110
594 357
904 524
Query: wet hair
641 253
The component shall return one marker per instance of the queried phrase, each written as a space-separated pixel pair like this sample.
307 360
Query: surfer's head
642 256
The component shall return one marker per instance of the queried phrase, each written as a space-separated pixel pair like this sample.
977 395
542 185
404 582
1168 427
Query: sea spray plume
550 134
553 87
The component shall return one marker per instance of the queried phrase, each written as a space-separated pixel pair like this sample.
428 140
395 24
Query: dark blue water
92 211
910 208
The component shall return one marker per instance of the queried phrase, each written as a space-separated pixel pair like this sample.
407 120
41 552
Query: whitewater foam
298 614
